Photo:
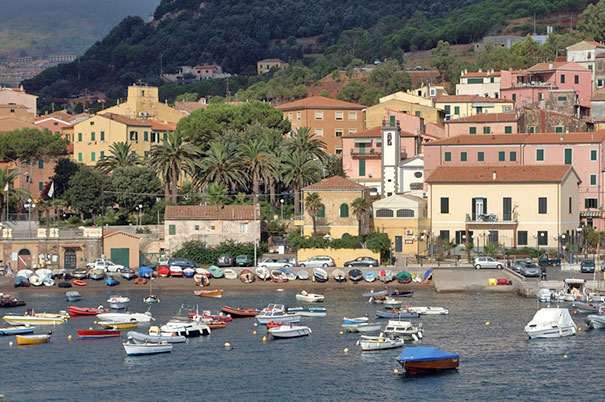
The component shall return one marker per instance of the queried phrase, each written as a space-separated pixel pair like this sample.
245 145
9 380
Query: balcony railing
491 218
367 152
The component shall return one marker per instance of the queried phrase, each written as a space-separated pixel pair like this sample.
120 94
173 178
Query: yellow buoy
264 339
253 332
90 328
396 371
10 343
341 332
346 350
69 337
579 329
565 356
487 324
96 322
227 345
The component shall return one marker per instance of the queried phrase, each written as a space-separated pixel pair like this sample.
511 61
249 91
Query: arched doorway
24 259
70 259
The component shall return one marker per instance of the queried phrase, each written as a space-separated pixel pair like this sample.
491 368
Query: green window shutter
102 135
362 167
92 157
447 109
40 186
475 80
472 130
40 164
322 211
67 137
480 156
448 156
462 156
568 156
501 156
508 130
165 136
102 154
146 154
456 109
593 154
79 156
514 97
171 230
486 130
576 79
197 227
531 129
344 211
562 98
145 136
562 78
593 179
418 113
586 203
92 136
542 205
445 205
513 156
539 155
80 137
559 129
491 80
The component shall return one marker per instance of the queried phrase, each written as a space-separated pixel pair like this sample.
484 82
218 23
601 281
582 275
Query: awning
362 140
72 246
483 104
591 214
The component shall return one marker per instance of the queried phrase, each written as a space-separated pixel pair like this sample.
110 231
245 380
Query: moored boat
596 321
369 343
402 293
34 320
375 294
429 310
309 297
75 310
140 317
369 276
550 322
320 275
584 307
118 302
119 324
139 337
425 360
403 277
73 296
79 273
355 275
396 313
135 349
339 275
216 293
186 329
239 313
309 311
289 331
8 301
357 320
276 312
96 334
404 329
32 339
362 327
16 330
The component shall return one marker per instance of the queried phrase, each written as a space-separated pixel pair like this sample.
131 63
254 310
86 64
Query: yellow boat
32 339
33 320
118 324
53 315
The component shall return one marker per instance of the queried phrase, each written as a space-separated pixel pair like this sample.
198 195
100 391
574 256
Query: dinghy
111 282
369 276
290 275
396 313
339 275
429 310
118 302
309 311
370 343
289 331
357 320
128 273
263 273
73 296
402 293
373 294
215 271
355 275
246 276
76 311
320 275
386 275
278 276
163 272
138 337
239 312
309 297
403 277
404 329
35 280
97 334
32 339
303 275
135 349
363 327
216 293
176 271
16 330
229 273
48 281
425 360
188 272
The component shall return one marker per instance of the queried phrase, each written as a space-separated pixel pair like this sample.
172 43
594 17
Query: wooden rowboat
32 339
216 324
74 310
238 312
209 293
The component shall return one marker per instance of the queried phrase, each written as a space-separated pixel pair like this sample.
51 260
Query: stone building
547 121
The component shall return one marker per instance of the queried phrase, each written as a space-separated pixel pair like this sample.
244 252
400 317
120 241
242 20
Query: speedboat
278 276
369 276
573 290
339 275
32 339
138 337
118 302
403 329
369 343
363 327
139 317
309 297
75 311
309 311
545 295
184 328
262 273
429 310
425 360
16 330
402 293
386 275
289 331
355 275
357 320
583 307
73 295
303 275
276 312
320 275
551 322
135 349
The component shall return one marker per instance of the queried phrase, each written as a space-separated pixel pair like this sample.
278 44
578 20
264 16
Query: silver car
275 263
531 269
487 262
320 261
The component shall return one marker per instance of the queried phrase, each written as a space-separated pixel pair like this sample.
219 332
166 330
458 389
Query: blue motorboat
111 282
145 272
425 360
395 313
357 320
18 330
369 276
215 271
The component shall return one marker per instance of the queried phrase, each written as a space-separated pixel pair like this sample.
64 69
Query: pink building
525 87
207 71
584 151
486 123
54 121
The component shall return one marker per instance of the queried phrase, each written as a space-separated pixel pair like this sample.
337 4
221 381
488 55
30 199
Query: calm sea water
496 363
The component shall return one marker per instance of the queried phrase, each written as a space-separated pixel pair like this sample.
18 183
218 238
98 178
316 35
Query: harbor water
497 361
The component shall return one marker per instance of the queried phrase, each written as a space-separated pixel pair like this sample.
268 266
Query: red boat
273 324
163 271
240 313
207 315
74 310
103 333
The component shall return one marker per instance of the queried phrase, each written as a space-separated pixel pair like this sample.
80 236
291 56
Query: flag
6 187
51 190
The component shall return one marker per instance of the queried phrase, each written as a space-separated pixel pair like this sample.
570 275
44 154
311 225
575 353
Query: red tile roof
125 120
60 115
319 102
503 174
482 74
469 98
557 65
161 126
336 183
208 212
518 139
488 118
599 95
189 106
375 132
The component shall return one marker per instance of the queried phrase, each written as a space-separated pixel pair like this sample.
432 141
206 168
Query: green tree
382 74
220 164
325 93
300 168
299 91
120 155
441 59
525 54
352 92
133 186
360 208
256 162
313 206
217 194
371 96
334 167
188 97
7 181
399 81
64 171
303 141
87 193
592 21
275 145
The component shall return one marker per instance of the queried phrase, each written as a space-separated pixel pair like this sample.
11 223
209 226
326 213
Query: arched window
344 210
384 213
405 213
322 211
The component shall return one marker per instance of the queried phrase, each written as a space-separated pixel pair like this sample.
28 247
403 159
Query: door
507 209
479 208
398 244
120 256
70 259
24 259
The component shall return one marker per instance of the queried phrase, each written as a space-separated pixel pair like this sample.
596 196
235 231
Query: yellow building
404 219
265 65
336 217
375 114
458 106
93 137
516 206
143 103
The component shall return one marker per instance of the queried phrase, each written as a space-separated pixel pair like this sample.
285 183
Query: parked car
518 265
225 260
487 262
274 263
544 261
291 261
587 266
362 262
243 261
181 262
318 261
105 265
531 269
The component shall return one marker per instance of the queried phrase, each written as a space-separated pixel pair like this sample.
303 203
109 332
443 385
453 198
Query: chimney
550 66
561 137
494 174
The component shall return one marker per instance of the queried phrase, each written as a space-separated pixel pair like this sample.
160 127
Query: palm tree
313 206
300 169
8 190
120 155
274 142
171 157
257 162
217 194
221 165
360 208
303 141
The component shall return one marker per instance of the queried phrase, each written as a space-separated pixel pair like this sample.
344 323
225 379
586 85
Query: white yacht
404 330
550 322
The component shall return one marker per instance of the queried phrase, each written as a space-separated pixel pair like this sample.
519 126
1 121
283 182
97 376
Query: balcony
366 153
491 219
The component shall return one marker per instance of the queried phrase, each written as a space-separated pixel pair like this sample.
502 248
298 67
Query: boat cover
550 315
428 275
145 272
404 276
423 353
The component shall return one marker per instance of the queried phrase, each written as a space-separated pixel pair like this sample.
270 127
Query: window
322 211
418 113
480 156
92 136
67 137
522 238
447 109
445 205
297 115
540 96
145 136
353 116
599 66
539 155
79 156
514 97
593 179
558 129
102 155
456 109
92 157
501 156
384 213
92 123
80 137
508 129
491 80
562 78
362 167
344 210
197 227
40 186
444 235
472 130
134 136
475 81
448 156
165 136
319 115
593 154
463 156
290 116
568 156
486 130
542 205
507 203
479 109
146 154
570 200
40 164
576 79
338 151
562 98
531 129
102 135
319 132
243 228
172 230
590 203
405 213
352 130
513 156
543 238
417 175
338 132
339 116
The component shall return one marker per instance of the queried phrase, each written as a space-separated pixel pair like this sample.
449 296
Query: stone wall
546 122
210 232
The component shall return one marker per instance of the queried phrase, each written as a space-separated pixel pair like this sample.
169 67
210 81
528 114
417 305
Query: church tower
391 156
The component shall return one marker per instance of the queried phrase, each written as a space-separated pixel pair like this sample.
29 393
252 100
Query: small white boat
386 275
403 329
309 311
339 275
391 302
546 295
263 273
188 272
596 298
356 320
135 349
363 327
302 275
320 275
429 310
118 302
278 276
202 271
309 297
44 273
35 280
276 313
43 319
376 294
138 337
550 322
596 321
369 343
289 331
186 329
229 273
48 281
176 271
73 295
121 317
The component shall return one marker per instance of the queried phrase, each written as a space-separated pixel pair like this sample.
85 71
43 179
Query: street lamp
139 208
578 231
30 205
281 208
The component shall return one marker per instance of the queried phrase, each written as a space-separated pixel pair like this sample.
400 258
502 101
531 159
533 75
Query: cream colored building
404 219
265 65
143 103
18 96
336 217
457 106
517 206
376 114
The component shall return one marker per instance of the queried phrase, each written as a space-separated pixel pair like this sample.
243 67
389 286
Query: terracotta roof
469 98
372 133
504 174
161 126
189 106
336 183
319 102
482 74
270 61
599 95
59 115
568 65
125 120
208 212
109 233
567 116
518 139
594 43
488 118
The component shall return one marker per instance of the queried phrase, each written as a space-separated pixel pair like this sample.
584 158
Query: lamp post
139 208
29 205
281 208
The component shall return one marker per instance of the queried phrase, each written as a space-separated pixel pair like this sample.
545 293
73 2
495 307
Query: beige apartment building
405 103
458 106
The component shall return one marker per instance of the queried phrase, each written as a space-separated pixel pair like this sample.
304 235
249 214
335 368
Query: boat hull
29 320
141 338
549 333
595 321
118 324
75 311
240 313
209 293
372 343
20 330
146 349
289 331
430 366
292 318
32 339
365 327
309 312
390 314
87 334
310 297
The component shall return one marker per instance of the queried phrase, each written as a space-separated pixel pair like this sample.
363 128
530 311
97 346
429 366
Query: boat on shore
239 312
278 275
309 311
75 310
33 339
371 343
320 275
550 322
339 275
369 276
290 275
136 349
303 275
386 275
229 273
73 295
16 330
355 275
97 334
215 271
246 276
128 274
216 293
289 330
309 297
263 273
426 360
111 281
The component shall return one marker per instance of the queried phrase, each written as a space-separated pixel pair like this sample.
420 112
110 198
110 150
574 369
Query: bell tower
391 156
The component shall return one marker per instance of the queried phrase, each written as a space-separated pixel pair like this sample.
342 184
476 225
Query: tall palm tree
257 162
220 164
171 157
7 182
313 206
274 141
217 194
303 141
361 208
300 169
120 155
